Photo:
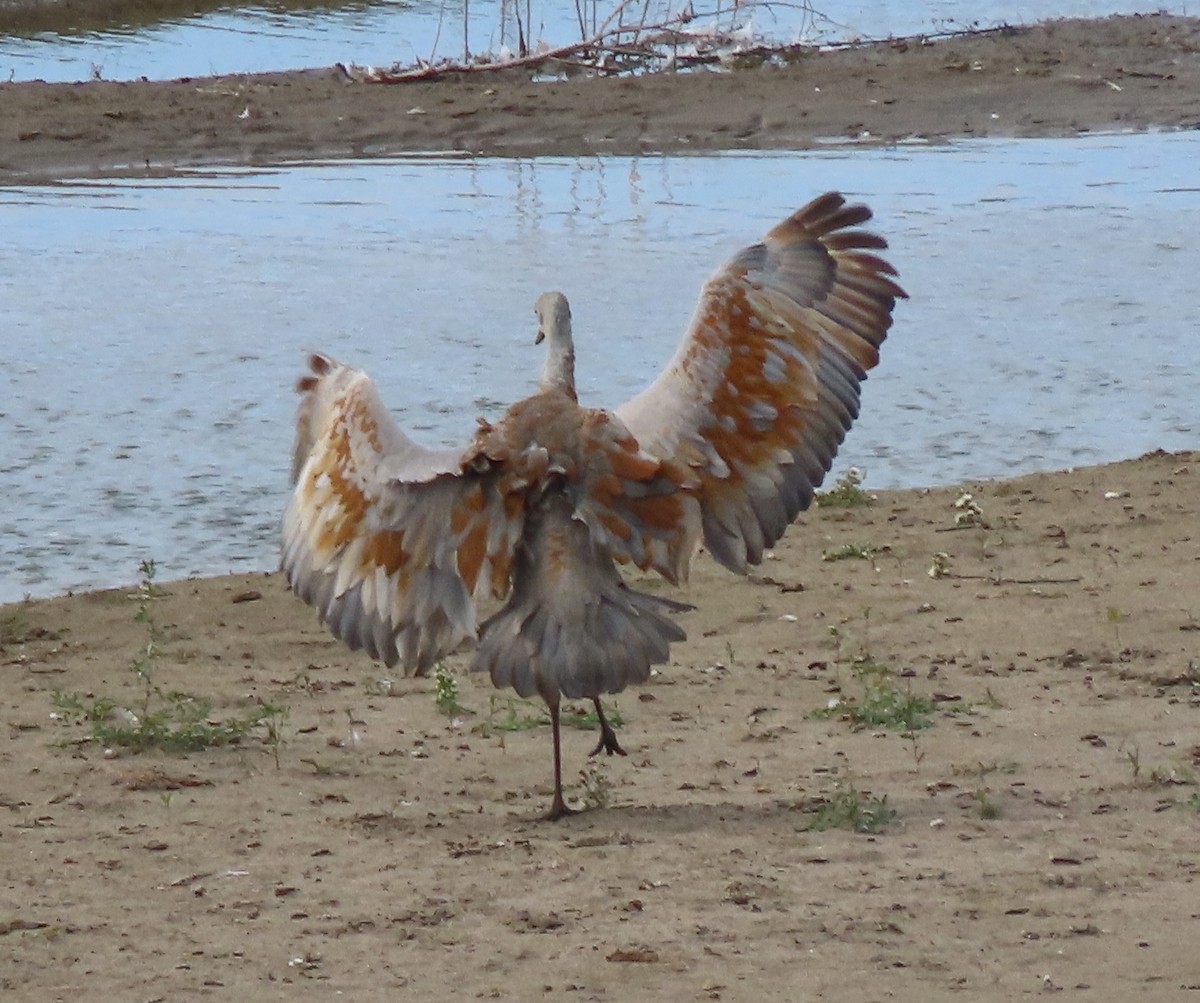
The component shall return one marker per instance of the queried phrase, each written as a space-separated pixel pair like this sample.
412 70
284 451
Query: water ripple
147 409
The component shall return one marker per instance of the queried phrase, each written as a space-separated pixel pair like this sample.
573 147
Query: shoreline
1092 473
1058 78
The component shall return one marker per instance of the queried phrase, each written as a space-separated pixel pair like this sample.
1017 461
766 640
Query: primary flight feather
393 543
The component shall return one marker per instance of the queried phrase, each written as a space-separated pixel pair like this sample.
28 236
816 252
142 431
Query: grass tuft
846 492
848 808
168 721
881 704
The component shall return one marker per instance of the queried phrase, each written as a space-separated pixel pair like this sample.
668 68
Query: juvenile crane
393 543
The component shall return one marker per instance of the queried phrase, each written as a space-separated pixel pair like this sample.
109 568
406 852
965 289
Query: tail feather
571 626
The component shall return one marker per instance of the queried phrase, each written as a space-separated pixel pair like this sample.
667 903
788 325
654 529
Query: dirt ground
1038 836
1044 828
1049 80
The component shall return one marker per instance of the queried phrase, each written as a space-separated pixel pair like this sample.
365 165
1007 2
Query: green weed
880 704
169 721
848 808
846 492
852 551
514 714
988 809
445 691
14 628
589 720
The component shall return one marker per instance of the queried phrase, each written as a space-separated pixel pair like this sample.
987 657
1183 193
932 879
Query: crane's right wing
390 541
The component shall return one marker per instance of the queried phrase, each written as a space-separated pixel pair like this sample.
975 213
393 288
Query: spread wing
391 542
766 382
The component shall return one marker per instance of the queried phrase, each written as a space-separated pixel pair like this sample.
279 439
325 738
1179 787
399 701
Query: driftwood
615 47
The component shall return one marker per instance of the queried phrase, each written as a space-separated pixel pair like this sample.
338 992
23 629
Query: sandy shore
1037 836
1044 829
1049 80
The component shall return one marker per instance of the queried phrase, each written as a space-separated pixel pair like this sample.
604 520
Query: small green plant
847 808
589 720
144 667
14 628
990 700
445 691
881 704
597 787
1193 802
1134 755
1115 616
169 721
981 769
179 722
510 714
852 551
319 768
846 492
272 720
939 565
967 511
988 809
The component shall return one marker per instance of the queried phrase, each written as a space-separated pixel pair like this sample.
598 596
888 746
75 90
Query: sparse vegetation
988 809
983 769
848 808
967 511
170 721
846 492
1115 616
852 551
596 784
588 720
881 704
939 565
507 713
14 628
445 691
515 714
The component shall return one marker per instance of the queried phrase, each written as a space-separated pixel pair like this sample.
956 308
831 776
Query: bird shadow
631 822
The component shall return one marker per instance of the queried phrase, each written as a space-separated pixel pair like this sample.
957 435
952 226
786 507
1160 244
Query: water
151 330
382 32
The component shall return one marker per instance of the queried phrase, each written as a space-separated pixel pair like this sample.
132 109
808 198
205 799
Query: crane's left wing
766 382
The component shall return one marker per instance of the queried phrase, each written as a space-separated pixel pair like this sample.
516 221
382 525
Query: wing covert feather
765 384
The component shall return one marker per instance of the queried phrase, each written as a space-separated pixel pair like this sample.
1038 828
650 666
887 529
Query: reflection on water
381 32
151 330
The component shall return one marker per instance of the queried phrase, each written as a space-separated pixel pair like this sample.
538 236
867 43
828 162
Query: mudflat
1052 79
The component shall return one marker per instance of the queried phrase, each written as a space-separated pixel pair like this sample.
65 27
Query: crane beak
541 336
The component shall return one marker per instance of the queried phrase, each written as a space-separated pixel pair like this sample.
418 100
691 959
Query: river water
239 39
151 329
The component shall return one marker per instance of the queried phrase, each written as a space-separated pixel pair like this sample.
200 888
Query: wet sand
1056 79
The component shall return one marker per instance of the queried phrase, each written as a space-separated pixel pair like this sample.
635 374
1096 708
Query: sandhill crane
393 543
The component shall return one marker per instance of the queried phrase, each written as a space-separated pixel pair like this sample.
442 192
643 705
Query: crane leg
608 738
558 807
